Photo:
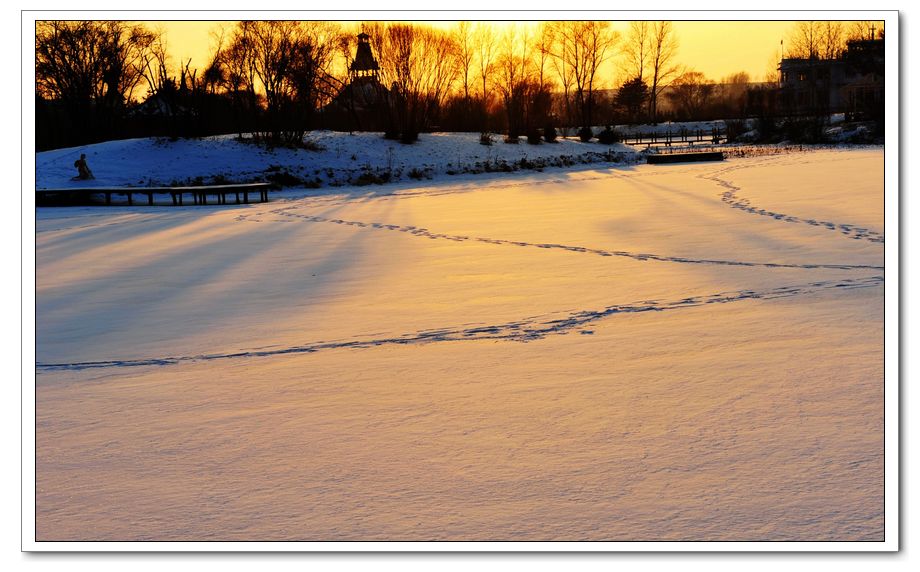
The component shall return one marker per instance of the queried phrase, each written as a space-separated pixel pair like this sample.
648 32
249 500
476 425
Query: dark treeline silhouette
277 80
85 76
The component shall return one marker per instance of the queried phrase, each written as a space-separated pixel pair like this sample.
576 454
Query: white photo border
891 287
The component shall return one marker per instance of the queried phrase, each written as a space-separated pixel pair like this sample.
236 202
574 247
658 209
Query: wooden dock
678 137
199 194
660 158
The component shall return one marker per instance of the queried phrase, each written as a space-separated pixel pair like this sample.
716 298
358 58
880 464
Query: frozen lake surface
681 352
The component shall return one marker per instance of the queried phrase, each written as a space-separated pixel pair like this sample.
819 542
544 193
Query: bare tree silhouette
635 50
582 47
464 53
662 54
289 64
690 94
816 40
512 70
92 69
418 64
486 44
865 30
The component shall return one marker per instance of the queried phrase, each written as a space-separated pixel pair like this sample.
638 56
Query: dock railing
676 137
199 194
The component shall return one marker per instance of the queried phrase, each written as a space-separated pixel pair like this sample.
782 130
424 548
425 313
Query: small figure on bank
83 168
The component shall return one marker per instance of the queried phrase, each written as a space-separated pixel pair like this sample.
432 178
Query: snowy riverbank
337 159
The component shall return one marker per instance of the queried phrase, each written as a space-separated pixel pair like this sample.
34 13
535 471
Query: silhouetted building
364 65
811 85
361 104
853 83
864 91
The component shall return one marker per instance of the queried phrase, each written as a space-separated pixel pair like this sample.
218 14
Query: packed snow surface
673 352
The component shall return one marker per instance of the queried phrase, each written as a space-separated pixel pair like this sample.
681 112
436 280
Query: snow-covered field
680 352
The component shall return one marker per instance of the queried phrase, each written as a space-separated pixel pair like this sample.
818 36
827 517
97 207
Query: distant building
360 105
854 83
811 85
364 66
864 90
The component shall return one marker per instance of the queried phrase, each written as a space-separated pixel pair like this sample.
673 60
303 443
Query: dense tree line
98 80
90 70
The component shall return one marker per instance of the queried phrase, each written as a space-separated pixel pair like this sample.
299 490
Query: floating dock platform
657 159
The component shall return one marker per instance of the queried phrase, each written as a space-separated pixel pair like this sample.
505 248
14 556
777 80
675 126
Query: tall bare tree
239 59
513 66
310 72
832 39
486 43
273 46
544 53
600 42
663 46
155 69
289 64
214 76
583 47
438 70
865 30
92 68
804 40
816 40
464 52
635 50
564 71
417 62
89 60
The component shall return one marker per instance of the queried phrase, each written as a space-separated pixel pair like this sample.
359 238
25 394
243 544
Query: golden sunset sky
716 49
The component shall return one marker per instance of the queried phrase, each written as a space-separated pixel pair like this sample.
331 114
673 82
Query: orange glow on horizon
715 48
